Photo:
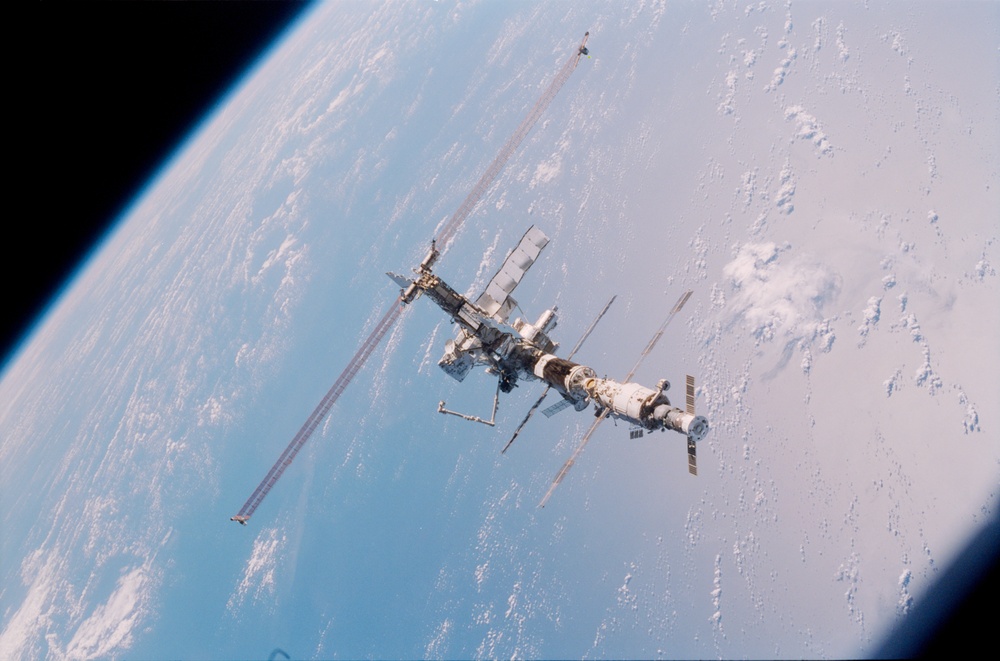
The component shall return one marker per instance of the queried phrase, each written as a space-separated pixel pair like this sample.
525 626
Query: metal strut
579 343
477 192
604 413
473 418
369 345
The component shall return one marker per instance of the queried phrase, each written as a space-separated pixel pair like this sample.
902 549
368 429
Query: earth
823 176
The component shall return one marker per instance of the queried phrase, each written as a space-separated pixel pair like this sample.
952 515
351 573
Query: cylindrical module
695 426
636 403
645 406
563 375
629 400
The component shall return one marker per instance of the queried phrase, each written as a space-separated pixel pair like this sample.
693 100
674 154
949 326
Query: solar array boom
545 392
366 349
477 192
388 321
604 414
659 333
572 460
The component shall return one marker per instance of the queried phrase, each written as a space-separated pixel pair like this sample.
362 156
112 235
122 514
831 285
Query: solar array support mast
604 413
388 321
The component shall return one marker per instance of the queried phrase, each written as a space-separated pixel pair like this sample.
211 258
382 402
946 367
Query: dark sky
107 90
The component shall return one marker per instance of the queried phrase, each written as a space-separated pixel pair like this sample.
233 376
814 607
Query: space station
515 350
518 350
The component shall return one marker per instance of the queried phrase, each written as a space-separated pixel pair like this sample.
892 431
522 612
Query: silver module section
627 400
496 300
646 407
455 362
695 426
538 333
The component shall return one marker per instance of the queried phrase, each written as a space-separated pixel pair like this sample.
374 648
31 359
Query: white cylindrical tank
695 426
629 399
645 406
624 399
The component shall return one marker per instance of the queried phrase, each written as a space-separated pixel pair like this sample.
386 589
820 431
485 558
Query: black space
107 91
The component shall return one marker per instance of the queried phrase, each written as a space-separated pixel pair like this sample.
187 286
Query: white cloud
438 645
809 129
23 628
872 313
108 629
781 71
777 295
259 572
547 170
110 626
